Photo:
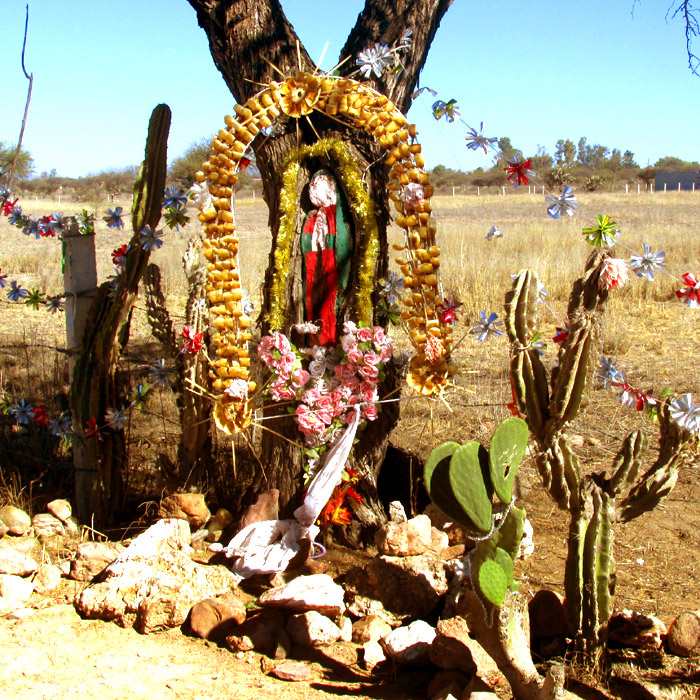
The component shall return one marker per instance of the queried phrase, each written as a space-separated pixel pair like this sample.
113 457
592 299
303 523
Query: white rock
48 525
401 539
397 513
15 587
9 605
60 508
345 624
16 563
315 592
47 578
311 629
91 558
16 520
527 544
410 644
373 654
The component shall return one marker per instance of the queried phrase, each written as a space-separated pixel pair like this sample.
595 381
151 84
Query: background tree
24 166
183 168
249 40
628 161
565 152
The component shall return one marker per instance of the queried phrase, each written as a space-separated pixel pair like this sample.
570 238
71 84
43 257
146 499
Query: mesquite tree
248 40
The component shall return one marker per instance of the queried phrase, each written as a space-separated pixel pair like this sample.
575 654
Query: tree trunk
247 38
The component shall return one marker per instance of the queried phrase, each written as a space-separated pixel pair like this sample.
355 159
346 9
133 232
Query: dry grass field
651 335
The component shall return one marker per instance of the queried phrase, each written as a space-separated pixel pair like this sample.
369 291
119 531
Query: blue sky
535 72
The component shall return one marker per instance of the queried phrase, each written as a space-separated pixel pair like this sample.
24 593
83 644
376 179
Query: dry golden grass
651 334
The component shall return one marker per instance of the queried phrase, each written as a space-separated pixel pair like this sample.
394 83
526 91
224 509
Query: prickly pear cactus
462 480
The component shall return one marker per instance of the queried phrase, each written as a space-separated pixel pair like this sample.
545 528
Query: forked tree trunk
247 38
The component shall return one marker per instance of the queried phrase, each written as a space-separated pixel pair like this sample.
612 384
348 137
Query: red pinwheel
41 415
447 311
194 342
8 206
690 295
519 172
92 430
561 335
119 255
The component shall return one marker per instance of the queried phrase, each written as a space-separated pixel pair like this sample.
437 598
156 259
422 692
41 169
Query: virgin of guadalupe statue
326 245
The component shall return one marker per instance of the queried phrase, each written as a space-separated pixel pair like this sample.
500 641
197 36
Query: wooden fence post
80 285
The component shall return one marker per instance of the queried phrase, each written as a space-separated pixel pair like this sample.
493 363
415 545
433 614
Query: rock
363 606
266 507
632 629
316 592
215 618
215 527
439 541
91 558
9 605
60 508
48 525
410 645
260 632
455 532
291 671
16 563
547 615
454 551
311 629
15 519
402 539
406 586
449 649
20 613
345 625
47 578
72 526
340 654
15 587
185 506
527 543
3 529
154 583
684 634
397 513
447 683
373 655
370 629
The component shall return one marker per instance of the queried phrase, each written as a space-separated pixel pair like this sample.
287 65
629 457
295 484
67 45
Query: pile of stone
398 609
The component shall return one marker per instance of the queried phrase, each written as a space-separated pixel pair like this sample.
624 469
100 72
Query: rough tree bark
247 38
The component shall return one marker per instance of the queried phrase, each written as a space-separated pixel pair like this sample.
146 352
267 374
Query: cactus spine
595 501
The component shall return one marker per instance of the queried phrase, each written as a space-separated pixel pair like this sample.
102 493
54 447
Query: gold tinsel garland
361 107
361 206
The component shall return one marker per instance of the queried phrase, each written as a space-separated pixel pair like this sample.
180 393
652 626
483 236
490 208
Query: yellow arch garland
360 107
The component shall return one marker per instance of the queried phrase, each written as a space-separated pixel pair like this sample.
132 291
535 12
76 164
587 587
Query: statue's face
322 192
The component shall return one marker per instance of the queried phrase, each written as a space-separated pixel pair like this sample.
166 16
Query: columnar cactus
594 500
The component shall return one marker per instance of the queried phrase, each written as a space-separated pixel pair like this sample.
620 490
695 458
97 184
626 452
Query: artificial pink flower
614 274
434 349
365 335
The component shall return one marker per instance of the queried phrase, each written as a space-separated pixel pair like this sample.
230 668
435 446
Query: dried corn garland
361 107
